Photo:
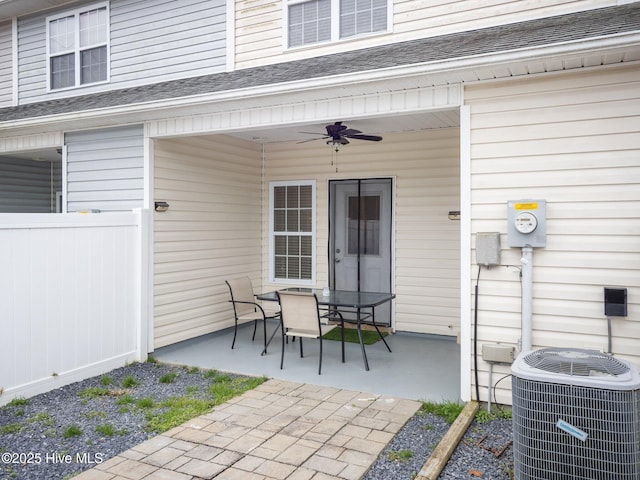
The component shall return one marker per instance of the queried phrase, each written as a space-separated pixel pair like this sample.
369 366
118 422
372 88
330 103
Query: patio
420 367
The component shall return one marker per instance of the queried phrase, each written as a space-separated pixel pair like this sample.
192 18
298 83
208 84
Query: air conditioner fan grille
575 362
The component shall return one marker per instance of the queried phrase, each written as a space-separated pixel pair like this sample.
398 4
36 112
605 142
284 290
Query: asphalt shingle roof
535 33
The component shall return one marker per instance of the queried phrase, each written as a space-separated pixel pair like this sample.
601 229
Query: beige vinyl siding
260 31
211 232
425 166
573 140
6 60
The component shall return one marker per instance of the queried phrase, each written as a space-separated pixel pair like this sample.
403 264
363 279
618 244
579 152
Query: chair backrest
241 290
299 310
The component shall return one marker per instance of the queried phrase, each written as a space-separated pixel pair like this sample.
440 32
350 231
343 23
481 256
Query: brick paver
279 430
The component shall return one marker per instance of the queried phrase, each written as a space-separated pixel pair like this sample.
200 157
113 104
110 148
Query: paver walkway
279 430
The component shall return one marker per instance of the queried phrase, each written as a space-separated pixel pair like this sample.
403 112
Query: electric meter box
527 223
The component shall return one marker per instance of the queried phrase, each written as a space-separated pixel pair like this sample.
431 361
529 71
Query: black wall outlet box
615 302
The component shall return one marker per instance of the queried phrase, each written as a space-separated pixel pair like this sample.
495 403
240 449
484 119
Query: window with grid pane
77 47
293 228
358 17
313 21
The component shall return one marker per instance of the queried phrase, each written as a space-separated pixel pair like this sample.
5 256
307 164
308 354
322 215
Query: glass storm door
360 238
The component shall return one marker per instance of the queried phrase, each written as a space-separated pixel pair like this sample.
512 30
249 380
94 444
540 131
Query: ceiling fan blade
373 138
313 133
349 132
311 139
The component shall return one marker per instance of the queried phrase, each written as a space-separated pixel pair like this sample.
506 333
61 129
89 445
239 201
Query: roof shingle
535 33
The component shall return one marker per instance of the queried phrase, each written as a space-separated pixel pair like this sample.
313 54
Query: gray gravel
39 450
475 457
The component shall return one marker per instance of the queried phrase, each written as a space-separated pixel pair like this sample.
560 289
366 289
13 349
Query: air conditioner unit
576 415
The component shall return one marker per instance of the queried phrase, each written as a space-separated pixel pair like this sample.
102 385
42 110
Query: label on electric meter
526 206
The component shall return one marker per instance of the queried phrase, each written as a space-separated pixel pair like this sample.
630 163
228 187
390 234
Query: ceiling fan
338 134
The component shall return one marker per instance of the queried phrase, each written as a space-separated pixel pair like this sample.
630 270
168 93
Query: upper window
78 47
318 21
292 242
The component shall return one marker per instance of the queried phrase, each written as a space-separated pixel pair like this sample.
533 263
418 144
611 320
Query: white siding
210 233
105 169
151 41
573 140
259 24
6 60
28 186
69 298
425 166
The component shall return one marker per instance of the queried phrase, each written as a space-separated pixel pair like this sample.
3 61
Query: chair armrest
257 306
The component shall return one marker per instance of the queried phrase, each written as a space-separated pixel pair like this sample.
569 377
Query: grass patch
108 430
170 413
106 380
369 337
400 455
125 400
94 392
18 402
10 428
226 387
72 431
483 416
168 377
145 403
130 382
175 411
43 419
449 411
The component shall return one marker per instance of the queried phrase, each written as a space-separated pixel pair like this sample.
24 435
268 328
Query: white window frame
335 25
273 233
76 50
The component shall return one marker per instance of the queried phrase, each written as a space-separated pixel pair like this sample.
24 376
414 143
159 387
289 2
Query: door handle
337 260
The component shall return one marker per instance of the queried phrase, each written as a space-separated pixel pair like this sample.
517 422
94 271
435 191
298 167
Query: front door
360 238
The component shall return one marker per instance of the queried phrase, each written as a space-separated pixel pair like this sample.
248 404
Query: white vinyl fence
71 297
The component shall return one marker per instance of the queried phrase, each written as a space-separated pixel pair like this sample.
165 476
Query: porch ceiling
371 125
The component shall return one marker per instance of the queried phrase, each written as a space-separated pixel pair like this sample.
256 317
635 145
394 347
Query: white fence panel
70 298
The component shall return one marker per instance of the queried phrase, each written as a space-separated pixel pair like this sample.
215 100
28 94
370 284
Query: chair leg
282 354
301 354
320 361
255 325
235 331
264 328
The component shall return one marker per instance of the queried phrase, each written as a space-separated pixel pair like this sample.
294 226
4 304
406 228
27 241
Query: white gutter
488 61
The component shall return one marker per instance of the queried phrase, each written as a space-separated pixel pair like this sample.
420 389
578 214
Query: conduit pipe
527 297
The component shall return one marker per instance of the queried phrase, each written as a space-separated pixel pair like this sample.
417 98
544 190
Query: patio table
336 302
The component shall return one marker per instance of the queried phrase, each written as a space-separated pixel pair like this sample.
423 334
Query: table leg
373 318
267 343
364 354
342 333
